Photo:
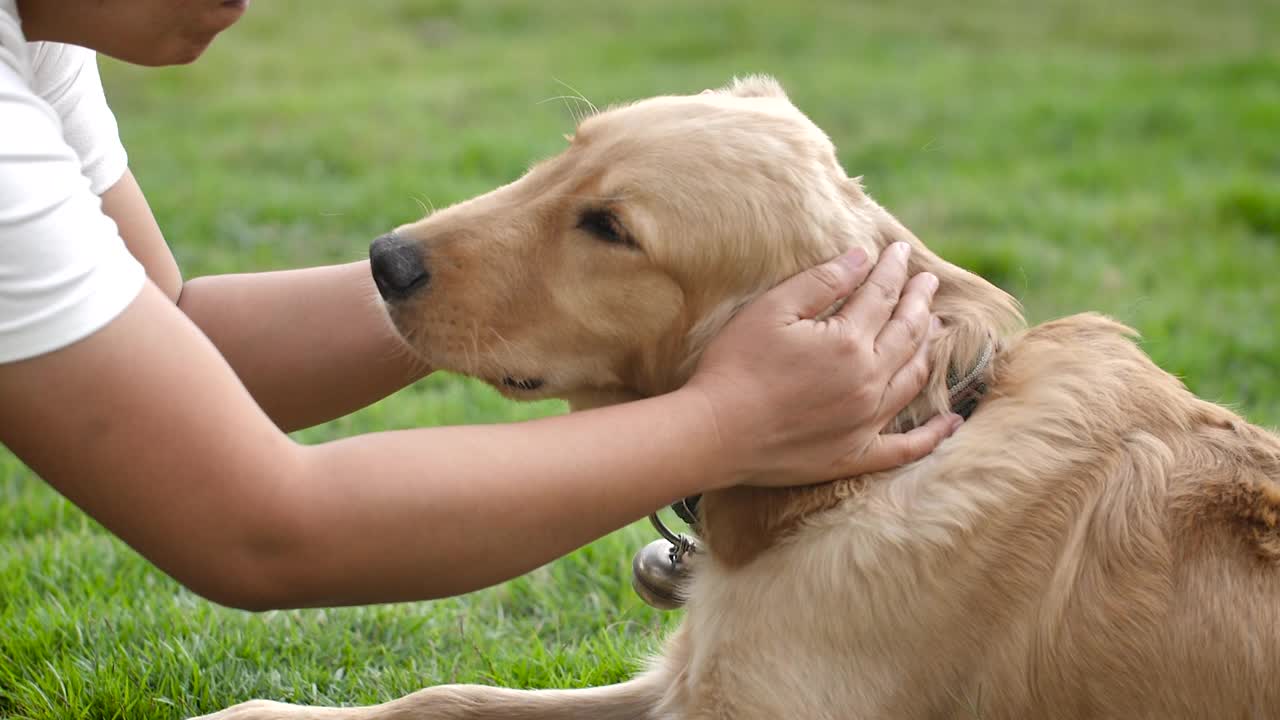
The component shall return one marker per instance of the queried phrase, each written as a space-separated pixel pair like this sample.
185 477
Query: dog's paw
262 710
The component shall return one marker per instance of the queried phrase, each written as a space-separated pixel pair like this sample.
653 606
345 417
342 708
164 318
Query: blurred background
1095 155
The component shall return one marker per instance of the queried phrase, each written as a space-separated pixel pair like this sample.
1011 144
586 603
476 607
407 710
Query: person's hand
797 400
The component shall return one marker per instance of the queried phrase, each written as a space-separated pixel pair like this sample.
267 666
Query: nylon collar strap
964 393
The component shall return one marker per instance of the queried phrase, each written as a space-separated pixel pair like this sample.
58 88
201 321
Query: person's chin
188 49
188 55
161 55
156 55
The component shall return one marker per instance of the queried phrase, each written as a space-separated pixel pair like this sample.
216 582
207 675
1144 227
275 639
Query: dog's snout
398 267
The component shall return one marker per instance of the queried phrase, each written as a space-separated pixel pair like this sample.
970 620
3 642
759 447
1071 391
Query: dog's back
1096 542
1158 512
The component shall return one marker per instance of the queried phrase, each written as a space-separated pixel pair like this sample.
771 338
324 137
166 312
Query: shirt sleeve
64 270
66 77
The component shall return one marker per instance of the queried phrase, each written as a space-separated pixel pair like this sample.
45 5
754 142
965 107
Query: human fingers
908 380
906 331
806 294
874 301
890 451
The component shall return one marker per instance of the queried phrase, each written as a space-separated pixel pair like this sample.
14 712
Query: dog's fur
1094 542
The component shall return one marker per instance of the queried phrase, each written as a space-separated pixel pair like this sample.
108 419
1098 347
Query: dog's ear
756 86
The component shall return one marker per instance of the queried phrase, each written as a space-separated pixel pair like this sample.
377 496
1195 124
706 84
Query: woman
160 408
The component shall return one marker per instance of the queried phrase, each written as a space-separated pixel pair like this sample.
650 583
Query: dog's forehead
700 118
672 139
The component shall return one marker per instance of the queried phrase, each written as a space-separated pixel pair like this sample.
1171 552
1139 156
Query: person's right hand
799 401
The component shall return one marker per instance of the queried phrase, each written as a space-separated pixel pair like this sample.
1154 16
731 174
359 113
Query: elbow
237 600
259 558
233 593
243 579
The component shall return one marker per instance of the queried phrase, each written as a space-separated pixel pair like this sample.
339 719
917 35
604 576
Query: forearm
451 510
196 478
310 345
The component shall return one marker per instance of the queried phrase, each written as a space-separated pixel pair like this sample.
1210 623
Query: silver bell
658 572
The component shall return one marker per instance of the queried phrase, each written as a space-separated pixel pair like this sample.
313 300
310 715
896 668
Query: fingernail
903 249
931 280
856 257
956 421
936 325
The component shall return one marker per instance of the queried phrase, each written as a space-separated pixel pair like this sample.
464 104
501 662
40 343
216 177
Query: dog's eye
605 226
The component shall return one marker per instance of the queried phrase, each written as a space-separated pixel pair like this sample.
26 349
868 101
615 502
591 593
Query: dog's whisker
502 339
553 98
575 111
428 207
473 333
521 354
577 116
418 365
578 94
405 351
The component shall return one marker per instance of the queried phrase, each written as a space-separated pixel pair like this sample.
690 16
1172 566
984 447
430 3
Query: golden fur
1094 542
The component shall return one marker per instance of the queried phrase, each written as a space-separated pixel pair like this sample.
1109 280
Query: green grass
1113 156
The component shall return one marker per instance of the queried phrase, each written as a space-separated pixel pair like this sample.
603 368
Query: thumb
889 451
804 295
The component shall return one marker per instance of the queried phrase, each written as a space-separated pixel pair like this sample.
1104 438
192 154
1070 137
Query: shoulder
61 74
64 271
50 70
66 79
61 83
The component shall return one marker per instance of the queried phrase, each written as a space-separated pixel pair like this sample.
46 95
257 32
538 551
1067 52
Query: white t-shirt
64 270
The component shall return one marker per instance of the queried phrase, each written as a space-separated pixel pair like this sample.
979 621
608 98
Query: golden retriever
1094 542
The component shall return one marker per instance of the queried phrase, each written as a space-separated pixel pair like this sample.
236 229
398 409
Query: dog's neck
739 523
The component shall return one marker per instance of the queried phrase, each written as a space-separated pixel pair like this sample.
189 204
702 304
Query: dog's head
600 275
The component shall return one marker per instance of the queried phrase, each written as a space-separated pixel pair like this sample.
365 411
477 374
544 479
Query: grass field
1121 157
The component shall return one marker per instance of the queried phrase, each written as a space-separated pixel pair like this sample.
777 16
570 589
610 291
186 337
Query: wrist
715 456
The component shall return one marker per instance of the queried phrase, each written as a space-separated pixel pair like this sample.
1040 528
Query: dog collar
963 393
687 510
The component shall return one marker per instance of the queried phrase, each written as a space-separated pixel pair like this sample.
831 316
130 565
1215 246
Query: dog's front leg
632 700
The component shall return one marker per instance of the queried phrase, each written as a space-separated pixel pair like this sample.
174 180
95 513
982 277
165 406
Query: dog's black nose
398 269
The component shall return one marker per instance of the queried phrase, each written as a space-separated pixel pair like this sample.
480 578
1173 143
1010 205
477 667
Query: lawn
1120 157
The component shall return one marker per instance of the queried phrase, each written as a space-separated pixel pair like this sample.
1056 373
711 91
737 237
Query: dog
1095 541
